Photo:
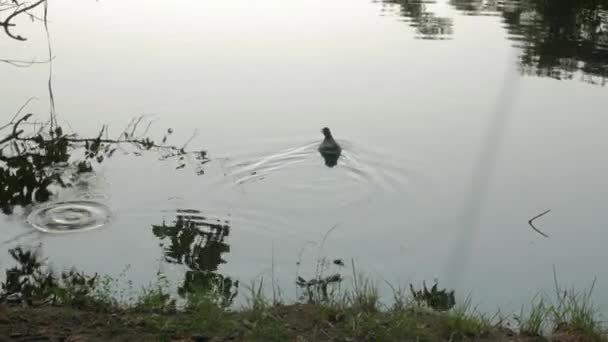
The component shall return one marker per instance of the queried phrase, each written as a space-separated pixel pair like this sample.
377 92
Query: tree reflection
476 7
198 243
30 281
557 39
561 38
34 156
427 24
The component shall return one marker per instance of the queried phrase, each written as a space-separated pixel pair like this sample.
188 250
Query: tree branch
7 22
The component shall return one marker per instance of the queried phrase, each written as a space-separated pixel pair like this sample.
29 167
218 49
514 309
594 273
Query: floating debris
530 222
339 262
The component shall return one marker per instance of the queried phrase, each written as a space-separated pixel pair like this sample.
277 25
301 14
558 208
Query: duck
330 150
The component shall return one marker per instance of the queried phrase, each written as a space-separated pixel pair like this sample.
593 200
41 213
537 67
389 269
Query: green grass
571 312
463 321
338 311
364 295
534 322
574 312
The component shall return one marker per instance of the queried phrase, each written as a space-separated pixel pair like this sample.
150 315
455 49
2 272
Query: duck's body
329 145
329 148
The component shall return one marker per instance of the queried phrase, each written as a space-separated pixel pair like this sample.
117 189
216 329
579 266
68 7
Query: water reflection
198 243
477 7
192 240
37 156
30 281
563 40
426 23
560 39
26 279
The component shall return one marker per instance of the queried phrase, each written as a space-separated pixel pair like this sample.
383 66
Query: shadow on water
563 40
198 243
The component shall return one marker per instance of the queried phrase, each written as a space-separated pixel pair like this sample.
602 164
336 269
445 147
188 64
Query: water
459 121
66 217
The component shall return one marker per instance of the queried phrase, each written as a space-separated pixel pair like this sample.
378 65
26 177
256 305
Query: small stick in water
534 218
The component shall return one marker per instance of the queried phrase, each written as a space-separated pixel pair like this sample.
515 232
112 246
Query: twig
7 23
23 64
13 135
16 125
190 139
320 264
53 114
299 262
18 112
530 222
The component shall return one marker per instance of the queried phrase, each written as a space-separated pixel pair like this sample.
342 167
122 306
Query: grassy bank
355 319
76 307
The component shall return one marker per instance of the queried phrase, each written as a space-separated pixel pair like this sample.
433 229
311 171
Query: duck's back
329 145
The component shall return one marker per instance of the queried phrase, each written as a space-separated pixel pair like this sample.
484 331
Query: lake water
459 121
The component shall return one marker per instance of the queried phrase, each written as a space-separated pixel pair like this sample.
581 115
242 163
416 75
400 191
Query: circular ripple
72 216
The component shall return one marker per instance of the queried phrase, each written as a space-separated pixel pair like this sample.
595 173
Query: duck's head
326 132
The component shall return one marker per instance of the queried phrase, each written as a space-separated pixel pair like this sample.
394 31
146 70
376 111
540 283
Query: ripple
299 173
258 168
69 216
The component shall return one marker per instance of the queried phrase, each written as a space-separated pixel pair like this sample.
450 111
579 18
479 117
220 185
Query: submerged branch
530 222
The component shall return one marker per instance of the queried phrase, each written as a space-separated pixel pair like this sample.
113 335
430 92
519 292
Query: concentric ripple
70 216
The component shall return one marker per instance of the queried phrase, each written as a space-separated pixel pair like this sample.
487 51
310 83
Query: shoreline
76 307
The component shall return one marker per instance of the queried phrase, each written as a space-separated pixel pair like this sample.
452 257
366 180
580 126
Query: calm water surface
459 120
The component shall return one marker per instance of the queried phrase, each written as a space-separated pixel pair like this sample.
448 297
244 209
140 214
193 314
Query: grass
534 323
574 313
464 322
337 313
570 313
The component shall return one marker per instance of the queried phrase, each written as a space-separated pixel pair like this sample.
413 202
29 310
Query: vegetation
38 302
35 156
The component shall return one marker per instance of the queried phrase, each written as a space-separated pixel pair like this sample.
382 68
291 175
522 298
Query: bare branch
24 64
18 112
7 22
